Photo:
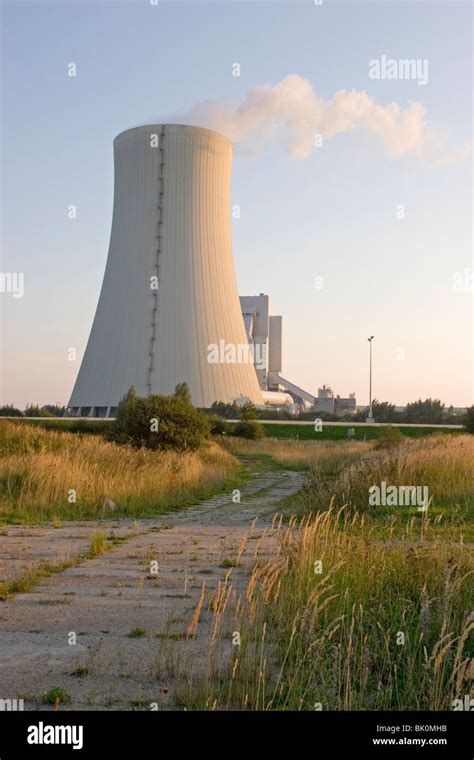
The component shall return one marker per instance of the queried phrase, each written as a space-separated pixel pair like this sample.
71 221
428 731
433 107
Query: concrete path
113 631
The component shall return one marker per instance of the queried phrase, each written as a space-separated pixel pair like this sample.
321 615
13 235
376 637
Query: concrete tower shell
171 221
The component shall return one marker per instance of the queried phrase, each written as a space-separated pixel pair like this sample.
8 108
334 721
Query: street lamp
370 419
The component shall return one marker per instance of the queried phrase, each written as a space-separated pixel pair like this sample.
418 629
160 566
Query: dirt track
102 600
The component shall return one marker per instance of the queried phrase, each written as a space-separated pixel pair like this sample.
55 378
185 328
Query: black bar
223 734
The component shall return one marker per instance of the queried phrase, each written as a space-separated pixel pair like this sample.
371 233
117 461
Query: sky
367 234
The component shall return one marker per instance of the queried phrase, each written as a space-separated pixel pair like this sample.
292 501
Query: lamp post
370 419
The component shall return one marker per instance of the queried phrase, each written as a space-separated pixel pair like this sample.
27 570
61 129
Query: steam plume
291 111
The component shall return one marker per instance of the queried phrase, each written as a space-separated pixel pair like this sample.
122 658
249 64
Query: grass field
45 474
381 627
93 426
302 432
358 609
297 454
443 464
339 432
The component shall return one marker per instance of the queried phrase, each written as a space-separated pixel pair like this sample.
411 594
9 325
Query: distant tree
470 420
10 411
127 425
55 409
453 417
182 391
384 411
314 414
227 411
429 411
276 414
248 412
33 410
159 422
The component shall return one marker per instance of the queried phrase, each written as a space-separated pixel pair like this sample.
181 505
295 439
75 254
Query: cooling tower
169 289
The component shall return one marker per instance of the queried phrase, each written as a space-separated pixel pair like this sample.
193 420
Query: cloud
292 113
456 155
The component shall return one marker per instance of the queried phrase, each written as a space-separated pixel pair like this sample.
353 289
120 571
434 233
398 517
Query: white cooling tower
169 289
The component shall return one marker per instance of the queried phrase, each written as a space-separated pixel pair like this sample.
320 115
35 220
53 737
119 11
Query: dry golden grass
41 472
300 454
442 463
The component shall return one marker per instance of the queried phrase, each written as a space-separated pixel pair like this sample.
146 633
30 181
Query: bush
248 429
219 426
470 420
56 697
388 438
159 422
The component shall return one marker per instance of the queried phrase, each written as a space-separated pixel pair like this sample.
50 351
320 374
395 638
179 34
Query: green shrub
159 422
219 426
56 696
137 633
388 438
248 429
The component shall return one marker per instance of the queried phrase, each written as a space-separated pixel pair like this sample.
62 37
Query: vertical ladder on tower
158 251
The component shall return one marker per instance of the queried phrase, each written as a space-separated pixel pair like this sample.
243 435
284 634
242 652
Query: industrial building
169 311
326 401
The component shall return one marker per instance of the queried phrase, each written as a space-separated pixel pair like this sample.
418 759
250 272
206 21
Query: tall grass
382 627
303 455
42 472
442 463
348 613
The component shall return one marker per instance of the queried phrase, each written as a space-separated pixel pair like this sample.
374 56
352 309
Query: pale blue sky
331 215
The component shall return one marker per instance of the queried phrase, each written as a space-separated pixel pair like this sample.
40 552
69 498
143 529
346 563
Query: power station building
169 311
